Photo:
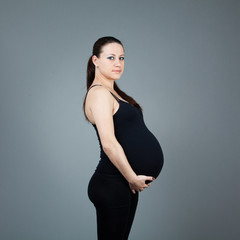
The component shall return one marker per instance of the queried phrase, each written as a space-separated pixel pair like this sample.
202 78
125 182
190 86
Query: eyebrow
115 54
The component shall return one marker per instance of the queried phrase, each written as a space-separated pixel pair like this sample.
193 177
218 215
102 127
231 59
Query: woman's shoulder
98 93
97 90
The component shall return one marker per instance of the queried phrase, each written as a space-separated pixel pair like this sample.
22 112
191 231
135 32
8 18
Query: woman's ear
95 60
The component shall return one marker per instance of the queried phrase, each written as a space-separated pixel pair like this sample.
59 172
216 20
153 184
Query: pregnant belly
144 155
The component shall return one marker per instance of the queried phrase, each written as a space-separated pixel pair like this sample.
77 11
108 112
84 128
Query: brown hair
97 49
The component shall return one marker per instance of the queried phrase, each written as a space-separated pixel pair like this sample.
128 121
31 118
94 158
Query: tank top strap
94 86
114 96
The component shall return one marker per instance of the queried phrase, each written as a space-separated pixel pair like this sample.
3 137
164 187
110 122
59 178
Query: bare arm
101 105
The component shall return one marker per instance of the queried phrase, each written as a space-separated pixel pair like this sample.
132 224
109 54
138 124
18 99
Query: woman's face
110 63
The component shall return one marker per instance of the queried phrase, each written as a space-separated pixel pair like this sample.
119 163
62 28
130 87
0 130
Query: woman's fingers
142 183
139 189
149 178
148 181
132 188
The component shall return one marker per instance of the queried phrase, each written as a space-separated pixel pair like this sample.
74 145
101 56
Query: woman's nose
117 62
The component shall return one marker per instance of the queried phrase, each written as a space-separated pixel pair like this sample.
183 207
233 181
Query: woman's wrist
132 178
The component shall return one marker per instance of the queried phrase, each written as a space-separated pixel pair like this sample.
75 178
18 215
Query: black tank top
141 147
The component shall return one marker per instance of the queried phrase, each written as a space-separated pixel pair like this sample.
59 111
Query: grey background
182 66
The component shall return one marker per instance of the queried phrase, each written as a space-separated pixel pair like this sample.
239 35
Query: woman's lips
117 71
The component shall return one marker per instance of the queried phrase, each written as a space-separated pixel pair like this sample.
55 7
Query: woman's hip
109 191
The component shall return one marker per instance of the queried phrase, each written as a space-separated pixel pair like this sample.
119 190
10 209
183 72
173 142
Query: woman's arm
101 104
116 154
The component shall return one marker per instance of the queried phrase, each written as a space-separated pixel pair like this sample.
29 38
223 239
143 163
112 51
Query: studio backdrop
181 65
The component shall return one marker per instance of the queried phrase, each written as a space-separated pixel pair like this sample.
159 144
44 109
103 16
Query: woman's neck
106 83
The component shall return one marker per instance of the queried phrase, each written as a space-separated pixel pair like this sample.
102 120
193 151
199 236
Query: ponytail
90 72
90 78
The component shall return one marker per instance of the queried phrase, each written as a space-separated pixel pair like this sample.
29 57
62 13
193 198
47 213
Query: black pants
115 205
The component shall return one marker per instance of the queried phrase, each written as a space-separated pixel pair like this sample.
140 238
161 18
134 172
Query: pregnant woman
131 157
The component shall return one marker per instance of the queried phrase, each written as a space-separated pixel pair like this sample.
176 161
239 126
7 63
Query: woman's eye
111 58
121 58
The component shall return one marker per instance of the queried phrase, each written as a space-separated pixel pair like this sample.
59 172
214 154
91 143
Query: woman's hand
138 184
